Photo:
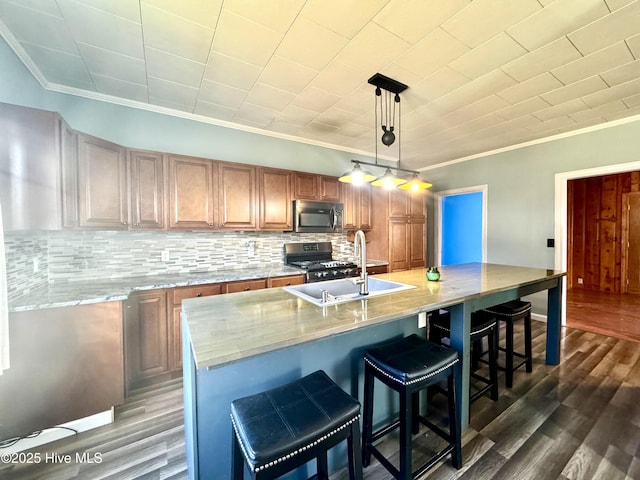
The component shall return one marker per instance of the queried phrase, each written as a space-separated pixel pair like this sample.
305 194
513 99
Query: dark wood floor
578 420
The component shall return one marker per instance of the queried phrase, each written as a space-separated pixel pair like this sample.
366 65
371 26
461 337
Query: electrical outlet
165 255
580 281
36 265
251 248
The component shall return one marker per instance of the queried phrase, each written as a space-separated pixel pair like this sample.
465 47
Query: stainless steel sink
345 290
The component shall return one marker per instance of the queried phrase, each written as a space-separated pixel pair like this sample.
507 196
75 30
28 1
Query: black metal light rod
385 166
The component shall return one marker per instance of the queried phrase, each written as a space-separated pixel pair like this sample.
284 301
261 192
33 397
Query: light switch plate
422 319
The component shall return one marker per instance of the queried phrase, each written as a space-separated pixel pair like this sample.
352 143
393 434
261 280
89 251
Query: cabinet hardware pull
198 294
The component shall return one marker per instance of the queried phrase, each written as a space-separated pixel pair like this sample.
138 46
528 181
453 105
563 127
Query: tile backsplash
88 255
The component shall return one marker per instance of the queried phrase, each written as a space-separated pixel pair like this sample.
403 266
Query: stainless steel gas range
316 259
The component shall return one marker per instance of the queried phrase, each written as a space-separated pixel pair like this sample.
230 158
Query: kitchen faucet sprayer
360 247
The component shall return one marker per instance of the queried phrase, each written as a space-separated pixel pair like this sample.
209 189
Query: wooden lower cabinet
285 281
246 285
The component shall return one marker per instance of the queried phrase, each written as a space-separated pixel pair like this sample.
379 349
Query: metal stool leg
527 342
509 354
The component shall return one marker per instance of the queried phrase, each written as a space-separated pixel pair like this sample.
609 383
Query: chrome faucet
360 247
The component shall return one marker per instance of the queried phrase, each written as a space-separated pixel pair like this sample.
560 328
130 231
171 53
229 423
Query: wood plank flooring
613 314
577 420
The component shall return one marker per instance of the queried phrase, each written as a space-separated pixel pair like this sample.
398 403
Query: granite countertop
220 327
63 294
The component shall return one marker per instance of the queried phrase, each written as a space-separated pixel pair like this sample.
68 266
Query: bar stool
409 365
509 313
482 325
283 428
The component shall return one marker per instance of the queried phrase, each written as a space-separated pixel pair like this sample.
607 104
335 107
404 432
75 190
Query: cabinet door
147 190
146 337
351 200
329 189
238 196
365 207
69 173
305 186
398 245
417 244
191 193
275 199
285 281
398 203
29 168
102 180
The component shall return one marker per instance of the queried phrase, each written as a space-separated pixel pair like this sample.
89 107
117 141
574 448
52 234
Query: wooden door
147 197
146 337
631 243
191 201
276 194
102 180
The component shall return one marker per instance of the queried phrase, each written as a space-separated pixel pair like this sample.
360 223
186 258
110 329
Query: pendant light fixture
387 98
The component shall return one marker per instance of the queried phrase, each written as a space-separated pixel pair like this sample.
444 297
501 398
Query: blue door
461 227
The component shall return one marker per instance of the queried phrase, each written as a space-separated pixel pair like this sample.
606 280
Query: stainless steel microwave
317 217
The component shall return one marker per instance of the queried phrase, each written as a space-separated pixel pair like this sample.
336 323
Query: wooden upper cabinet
405 203
309 186
102 184
237 196
357 206
147 189
276 194
29 168
69 174
191 193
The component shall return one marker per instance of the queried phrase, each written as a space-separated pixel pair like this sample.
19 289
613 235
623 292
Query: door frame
624 267
561 214
438 196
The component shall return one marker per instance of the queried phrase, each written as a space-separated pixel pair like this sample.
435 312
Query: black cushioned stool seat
482 325
281 429
409 365
509 313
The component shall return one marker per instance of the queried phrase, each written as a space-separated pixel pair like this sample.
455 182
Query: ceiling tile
591 113
174 34
37 28
530 88
616 26
556 20
616 4
269 97
525 107
345 17
120 88
359 101
230 71
632 101
492 54
171 105
101 29
475 90
287 75
634 45
221 94
542 60
49 7
277 16
60 67
334 117
310 44
173 68
115 65
575 90
172 92
202 12
339 79
412 19
561 109
593 64
255 115
432 53
613 93
482 19
437 85
214 110
312 98
372 49
128 9
297 115
245 40
623 114
622 74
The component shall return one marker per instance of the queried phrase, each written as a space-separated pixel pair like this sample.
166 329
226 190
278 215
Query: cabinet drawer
246 285
377 269
286 281
182 293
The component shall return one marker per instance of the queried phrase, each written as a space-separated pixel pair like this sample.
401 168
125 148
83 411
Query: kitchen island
240 344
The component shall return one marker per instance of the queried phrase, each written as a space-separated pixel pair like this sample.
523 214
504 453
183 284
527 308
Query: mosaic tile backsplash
83 256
